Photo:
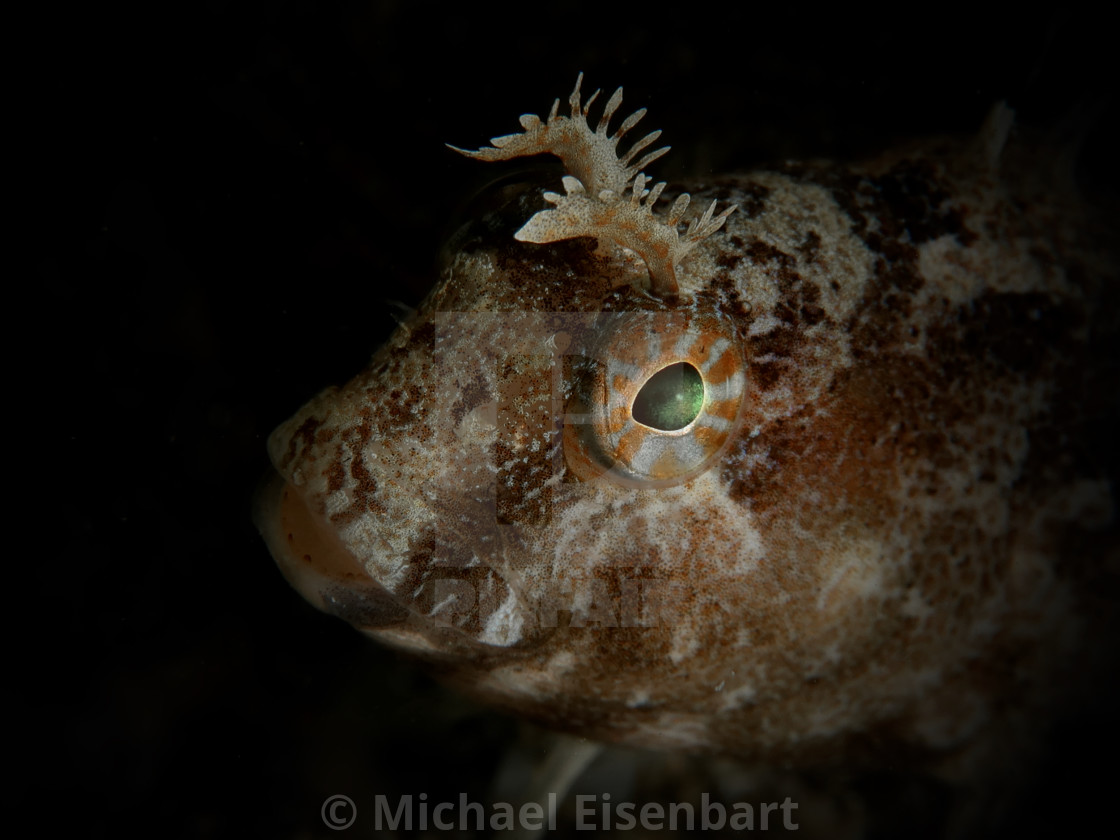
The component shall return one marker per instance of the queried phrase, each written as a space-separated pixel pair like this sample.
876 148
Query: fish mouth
328 575
316 563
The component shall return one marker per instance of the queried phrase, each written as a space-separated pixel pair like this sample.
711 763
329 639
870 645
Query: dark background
228 199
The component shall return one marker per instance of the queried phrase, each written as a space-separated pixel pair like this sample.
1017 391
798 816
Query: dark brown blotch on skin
365 499
782 341
754 199
897 265
471 396
336 476
755 485
763 252
305 434
811 246
800 303
909 204
401 411
765 375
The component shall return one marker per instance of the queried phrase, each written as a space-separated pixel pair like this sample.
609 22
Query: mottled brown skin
902 555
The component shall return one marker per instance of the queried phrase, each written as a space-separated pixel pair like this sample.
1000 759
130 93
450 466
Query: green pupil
671 398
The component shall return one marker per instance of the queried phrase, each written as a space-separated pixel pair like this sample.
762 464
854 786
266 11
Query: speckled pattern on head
881 535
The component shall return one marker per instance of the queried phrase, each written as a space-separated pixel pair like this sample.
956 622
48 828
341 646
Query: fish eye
660 397
671 398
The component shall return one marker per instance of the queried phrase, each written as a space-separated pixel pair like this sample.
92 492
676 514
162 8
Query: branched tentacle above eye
592 204
631 224
591 156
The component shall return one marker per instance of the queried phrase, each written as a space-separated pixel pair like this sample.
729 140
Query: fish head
775 486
